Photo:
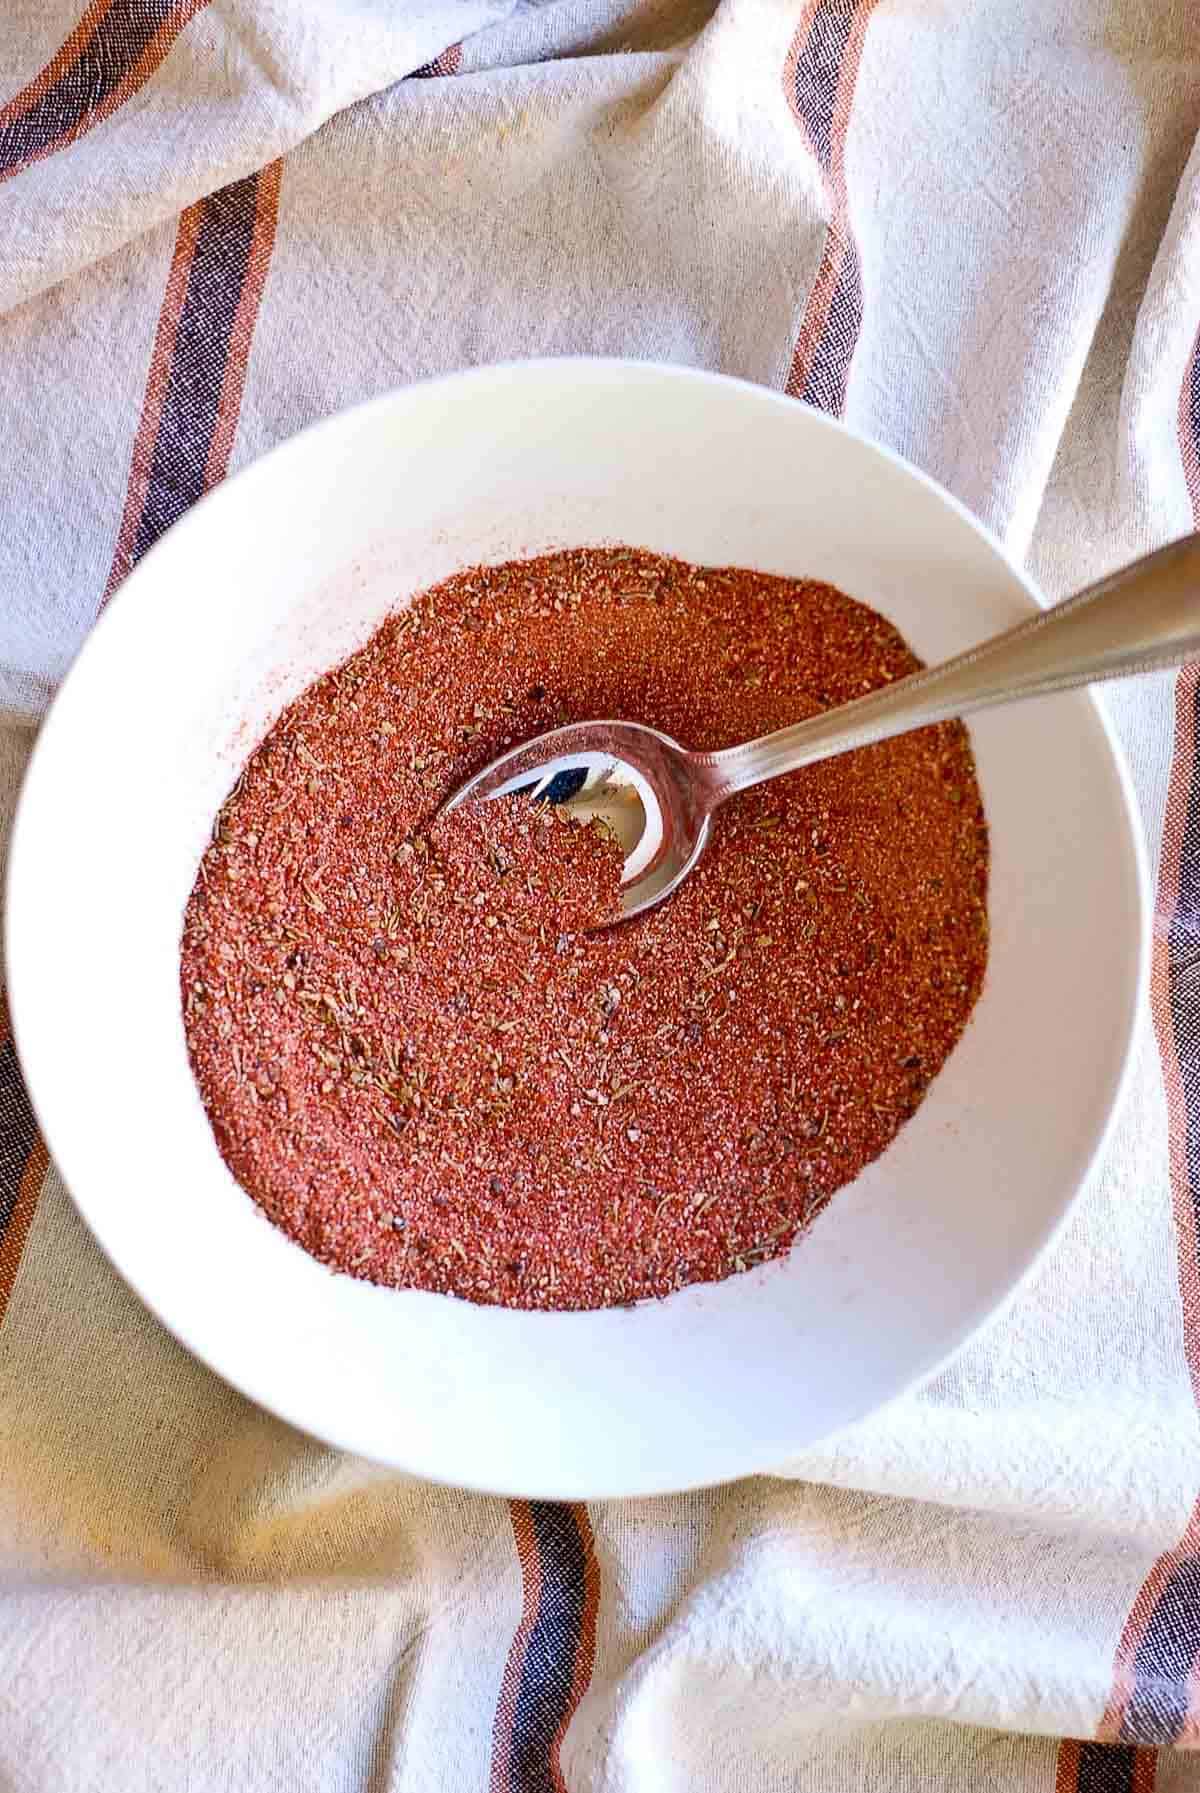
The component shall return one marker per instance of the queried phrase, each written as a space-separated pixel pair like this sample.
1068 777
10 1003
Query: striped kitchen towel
973 230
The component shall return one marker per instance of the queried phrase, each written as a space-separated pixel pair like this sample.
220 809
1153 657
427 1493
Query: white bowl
274 578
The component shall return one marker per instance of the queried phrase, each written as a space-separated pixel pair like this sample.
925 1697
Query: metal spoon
659 798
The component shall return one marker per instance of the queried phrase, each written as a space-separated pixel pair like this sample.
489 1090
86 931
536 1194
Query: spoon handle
1142 618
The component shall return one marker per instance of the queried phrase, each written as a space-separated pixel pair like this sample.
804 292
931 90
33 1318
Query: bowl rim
984 1313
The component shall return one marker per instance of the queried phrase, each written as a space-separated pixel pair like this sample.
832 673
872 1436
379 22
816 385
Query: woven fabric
971 229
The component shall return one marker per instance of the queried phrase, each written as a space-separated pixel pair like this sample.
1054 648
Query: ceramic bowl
277 576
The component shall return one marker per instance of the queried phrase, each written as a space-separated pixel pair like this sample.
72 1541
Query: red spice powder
423 1071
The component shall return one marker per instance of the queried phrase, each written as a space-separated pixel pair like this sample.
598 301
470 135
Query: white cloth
975 229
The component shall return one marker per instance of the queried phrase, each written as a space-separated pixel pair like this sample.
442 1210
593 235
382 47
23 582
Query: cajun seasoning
421 1067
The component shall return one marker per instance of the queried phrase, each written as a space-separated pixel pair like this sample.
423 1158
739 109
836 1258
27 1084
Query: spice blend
420 1067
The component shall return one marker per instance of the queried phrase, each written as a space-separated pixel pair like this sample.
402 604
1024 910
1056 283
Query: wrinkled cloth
972 230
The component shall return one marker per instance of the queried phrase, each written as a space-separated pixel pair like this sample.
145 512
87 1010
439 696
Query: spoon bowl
650 791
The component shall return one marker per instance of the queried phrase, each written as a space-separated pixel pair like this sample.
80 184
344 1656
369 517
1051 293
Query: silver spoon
659 799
